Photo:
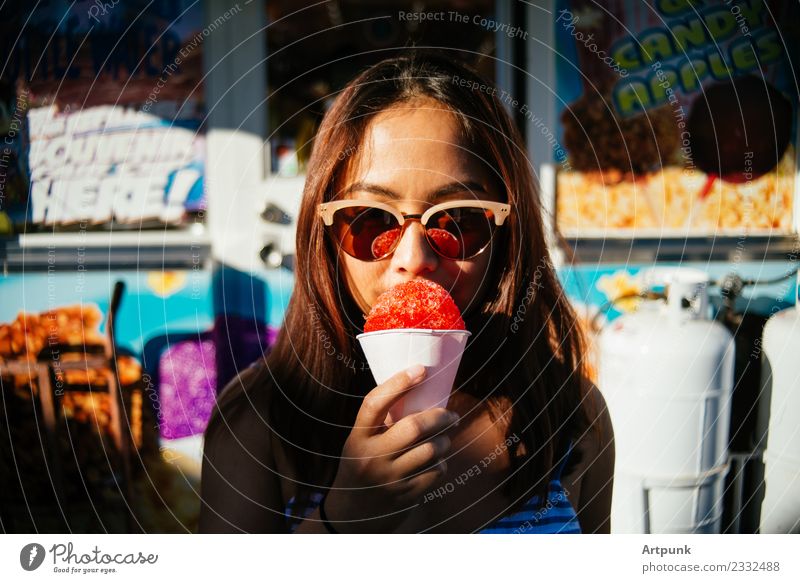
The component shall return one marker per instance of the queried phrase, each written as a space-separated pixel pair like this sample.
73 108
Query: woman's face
411 158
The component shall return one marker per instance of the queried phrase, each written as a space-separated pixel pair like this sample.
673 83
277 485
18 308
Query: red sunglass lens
366 233
460 233
385 242
444 242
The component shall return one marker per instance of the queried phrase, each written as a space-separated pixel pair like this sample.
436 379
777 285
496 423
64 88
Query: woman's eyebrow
367 187
455 187
451 188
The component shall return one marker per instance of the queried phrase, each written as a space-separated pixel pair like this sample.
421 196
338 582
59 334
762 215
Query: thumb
379 400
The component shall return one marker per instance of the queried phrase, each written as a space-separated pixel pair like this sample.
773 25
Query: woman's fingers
379 400
410 430
404 460
422 482
422 457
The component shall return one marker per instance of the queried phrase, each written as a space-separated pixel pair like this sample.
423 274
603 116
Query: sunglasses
370 230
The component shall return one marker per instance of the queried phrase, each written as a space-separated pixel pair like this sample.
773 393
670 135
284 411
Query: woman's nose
413 253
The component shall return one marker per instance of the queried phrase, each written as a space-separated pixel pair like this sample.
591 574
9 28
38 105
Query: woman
298 441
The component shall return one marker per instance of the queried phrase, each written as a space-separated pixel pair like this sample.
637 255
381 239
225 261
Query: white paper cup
439 351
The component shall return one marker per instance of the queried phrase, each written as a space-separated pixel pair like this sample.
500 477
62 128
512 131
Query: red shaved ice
419 303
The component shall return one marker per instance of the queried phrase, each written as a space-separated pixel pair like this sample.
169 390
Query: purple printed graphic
188 383
187 391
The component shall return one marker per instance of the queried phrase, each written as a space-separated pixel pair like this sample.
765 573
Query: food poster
677 117
101 110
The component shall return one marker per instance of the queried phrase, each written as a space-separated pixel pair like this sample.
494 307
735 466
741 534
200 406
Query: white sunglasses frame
501 210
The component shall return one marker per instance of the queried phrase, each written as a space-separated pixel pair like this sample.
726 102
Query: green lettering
673 7
688 35
719 68
627 56
753 12
656 46
743 55
769 49
660 88
692 74
720 23
631 97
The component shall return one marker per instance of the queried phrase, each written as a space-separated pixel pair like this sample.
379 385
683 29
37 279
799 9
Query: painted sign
678 117
101 115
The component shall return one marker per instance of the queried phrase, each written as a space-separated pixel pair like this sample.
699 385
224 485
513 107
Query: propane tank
666 372
780 385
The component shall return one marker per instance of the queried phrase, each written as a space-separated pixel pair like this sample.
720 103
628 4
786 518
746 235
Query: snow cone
416 322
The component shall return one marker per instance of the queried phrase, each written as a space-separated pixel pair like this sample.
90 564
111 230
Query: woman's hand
384 472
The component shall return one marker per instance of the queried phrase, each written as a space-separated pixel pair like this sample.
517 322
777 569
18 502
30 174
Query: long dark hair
526 347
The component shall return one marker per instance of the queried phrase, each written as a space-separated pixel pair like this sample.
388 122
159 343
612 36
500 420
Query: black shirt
240 488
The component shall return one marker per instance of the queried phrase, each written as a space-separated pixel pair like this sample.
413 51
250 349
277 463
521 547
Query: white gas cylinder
666 372
780 510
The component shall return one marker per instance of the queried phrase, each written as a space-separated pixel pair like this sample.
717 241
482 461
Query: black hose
779 279
645 295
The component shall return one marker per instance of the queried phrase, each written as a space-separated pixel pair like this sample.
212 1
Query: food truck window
671 128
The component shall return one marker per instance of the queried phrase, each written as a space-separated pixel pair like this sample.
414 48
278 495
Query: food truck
155 163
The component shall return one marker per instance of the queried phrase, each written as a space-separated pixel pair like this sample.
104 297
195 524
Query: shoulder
589 482
595 443
599 417
591 444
